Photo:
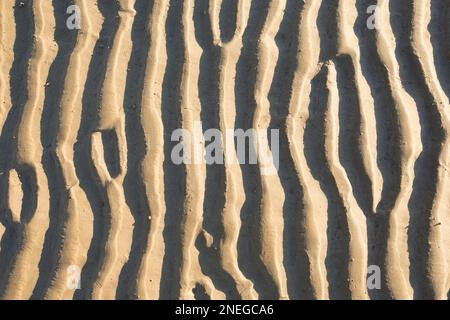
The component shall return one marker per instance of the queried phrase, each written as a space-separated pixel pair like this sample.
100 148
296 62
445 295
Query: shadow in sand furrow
327 25
174 175
86 172
111 152
227 23
439 29
10 243
388 142
133 183
337 258
296 261
350 153
66 40
249 243
200 293
28 179
215 173
426 166
23 47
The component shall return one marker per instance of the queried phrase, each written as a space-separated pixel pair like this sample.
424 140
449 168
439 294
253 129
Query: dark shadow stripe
439 29
227 20
174 176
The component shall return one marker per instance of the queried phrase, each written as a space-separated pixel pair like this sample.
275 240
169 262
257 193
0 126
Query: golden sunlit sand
93 207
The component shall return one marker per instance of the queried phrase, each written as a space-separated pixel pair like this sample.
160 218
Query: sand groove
363 117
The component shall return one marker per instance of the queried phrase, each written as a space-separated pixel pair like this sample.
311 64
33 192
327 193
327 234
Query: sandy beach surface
348 199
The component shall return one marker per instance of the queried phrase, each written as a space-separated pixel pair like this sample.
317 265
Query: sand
93 207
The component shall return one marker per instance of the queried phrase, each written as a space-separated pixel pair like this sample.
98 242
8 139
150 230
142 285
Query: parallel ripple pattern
93 207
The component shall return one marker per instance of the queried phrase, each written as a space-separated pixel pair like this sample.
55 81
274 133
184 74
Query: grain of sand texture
92 205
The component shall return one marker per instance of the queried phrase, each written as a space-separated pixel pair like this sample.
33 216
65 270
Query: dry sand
92 206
